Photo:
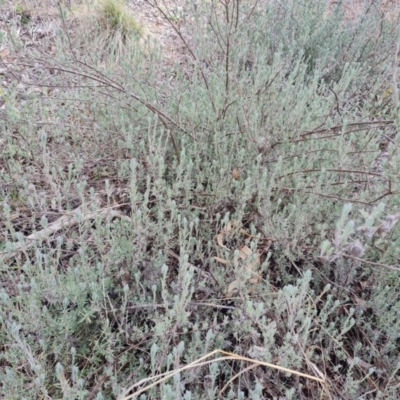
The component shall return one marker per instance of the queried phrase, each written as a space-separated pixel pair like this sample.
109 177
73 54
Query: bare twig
66 221
391 267
179 33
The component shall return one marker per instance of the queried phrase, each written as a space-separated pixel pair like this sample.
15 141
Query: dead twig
66 221
391 267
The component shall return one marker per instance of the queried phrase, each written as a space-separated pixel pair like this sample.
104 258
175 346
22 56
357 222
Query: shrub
243 199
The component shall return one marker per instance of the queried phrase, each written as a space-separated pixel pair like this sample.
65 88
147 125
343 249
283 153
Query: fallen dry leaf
4 53
235 174
360 302
231 288
220 238
244 252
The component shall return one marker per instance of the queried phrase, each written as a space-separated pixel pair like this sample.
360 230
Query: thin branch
391 267
66 221
192 303
179 33
117 87
339 127
305 171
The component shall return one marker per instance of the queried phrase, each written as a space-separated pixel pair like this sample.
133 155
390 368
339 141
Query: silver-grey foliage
147 273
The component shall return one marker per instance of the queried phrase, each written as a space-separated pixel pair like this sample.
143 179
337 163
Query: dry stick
224 109
331 196
252 8
350 44
63 222
217 35
334 135
175 146
350 171
395 69
229 356
304 153
161 115
337 100
192 303
106 81
382 196
237 13
391 267
338 127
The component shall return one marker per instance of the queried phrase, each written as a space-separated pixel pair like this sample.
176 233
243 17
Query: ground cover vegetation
240 203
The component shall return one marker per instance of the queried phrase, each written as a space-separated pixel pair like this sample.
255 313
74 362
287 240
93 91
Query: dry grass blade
250 367
199 362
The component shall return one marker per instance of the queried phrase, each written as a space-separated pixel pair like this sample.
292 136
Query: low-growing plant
23 14
110 25
116 16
